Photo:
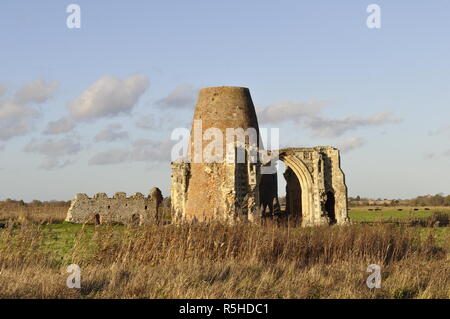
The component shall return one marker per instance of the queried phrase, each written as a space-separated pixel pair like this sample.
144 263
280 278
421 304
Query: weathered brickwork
223 191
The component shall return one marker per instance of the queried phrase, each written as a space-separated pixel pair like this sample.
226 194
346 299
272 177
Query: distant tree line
436 200
427 200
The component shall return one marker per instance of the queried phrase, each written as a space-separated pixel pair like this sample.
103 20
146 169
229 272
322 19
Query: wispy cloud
114 156
18 112
111 133
308 115
37 91
61 126
146 150
441 130
55 163
148 122
329 127
54 148
183 96
289 111
56 152
351 143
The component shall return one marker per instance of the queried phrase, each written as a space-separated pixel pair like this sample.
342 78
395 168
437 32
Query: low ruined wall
136 209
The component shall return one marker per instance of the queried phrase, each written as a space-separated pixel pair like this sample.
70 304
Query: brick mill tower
219 186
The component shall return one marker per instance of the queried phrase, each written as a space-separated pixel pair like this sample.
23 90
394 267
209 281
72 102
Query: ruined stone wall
335 183
316 190
315 185
327 189
137 209
181 173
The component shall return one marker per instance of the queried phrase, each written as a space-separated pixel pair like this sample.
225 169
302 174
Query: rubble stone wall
137 209
323 193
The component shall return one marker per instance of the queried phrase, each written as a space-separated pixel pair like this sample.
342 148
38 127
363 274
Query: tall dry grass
222 261
36 212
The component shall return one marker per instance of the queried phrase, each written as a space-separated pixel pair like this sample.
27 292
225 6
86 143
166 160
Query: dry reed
222 261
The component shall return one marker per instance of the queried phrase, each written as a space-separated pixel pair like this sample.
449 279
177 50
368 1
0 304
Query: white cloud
108 97
15 119
326 127
2 90
115 156
350 144
17 113
111 133
289 111
37 91
182 96
60 126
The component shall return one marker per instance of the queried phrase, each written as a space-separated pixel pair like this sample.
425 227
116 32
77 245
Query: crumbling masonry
232 190
135 210
316 193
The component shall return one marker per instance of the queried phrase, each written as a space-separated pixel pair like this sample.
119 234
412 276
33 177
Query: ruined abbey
238 185
232 190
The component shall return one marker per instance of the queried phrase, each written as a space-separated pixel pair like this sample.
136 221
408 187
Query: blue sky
313 67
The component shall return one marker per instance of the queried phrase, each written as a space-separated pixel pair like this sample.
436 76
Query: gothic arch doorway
300 188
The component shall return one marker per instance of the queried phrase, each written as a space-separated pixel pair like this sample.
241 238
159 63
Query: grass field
362 214
222 261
